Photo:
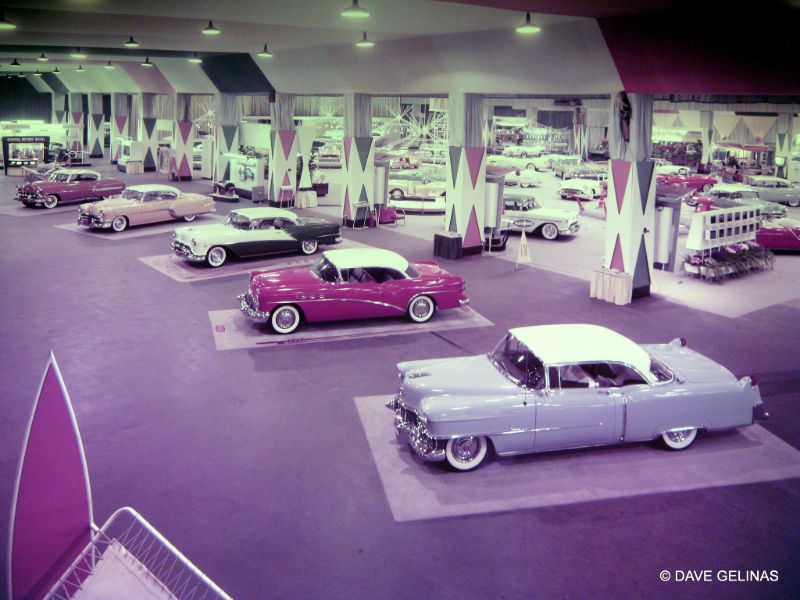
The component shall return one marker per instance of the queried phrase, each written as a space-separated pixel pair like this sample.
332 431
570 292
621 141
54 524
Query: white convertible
523 178
526 214
585 189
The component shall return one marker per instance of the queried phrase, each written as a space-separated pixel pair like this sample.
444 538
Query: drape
759 126
629 131
725 123
283 112
357 115
690 119
465 120
253 106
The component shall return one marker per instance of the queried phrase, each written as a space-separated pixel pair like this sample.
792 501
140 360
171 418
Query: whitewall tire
793 203
397 194
51 201
189 218
285 319
119 224
549 231
216 256
421 309
679 439
466 453
309 247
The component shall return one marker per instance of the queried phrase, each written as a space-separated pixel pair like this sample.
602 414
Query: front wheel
285 319
549 231
707 187
309 247
51 201
119 224
216 256
691 201
421 309
794 203
397 194
189 218
466 453
679 439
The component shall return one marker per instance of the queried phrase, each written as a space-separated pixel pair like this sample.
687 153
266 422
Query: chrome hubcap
118 224
549 231
678 436
285 318
216 256
309 246
421 308
465 449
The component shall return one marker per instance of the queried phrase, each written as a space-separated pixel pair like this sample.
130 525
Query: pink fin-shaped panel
620 170
287 139
185 129
474 159
51 513
121 120
616 258
348 143
472 237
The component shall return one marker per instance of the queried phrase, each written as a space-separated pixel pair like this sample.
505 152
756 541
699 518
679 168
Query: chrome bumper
250 312
571 230
30 199
409 429
463 302
185 251
760 413
92 221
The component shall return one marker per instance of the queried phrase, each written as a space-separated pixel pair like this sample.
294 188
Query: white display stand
246 173
130 151
722 227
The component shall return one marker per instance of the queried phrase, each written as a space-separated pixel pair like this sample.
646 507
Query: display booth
24 151
131 156
248 174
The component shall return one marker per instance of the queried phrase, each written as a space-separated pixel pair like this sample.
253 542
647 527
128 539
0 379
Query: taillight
753 381
683 342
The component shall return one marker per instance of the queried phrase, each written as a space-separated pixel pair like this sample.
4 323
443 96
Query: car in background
526 214
523 178
359 283
663 168
779 234
418 189
562 164
594 170
734 195
326 156
399 163
689 181
144 204
250 232
775 189
555 387
65 186
583 189
523 150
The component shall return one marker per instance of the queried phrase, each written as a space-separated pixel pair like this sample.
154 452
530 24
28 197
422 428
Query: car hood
442 384
45 186
556 214
108 204
689 365
277 279
217 233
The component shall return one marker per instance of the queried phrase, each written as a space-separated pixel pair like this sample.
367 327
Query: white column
283 146
707 129
359 155
784 132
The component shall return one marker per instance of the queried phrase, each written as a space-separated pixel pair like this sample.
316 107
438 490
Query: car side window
361 276
167 196
625 375
575 376
267 224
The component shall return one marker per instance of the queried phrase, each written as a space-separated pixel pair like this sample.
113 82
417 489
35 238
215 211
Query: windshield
325 270
238 221
660 371
131 194
512 358
526 204
59 177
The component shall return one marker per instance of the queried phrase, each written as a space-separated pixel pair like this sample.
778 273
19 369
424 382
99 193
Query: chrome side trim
624 432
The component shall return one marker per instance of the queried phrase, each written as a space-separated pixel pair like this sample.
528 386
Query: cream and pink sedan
358 283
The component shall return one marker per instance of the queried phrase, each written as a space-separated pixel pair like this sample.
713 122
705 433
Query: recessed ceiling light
528 26
5 24
365 42
131 43
78 54
14 63
109 66
194 59
147 62
265 53
354 11
210 29
80 69
43 57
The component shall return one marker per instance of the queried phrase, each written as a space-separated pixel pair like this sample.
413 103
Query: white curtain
690 119
725 123
639 127
664 120
253 106
759 126
283 112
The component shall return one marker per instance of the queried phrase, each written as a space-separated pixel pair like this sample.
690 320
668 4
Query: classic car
523 150
779 234
328 156
399 163
251 232
732 195
523 178
557 387
775 189
526 214
563 164
143 204
670 169
585 189
418 189
65 186
351 284
596 170
689 182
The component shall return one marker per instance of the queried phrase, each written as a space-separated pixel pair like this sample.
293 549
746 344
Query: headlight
100 215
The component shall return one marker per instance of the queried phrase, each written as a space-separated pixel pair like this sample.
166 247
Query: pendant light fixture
354 11
80 69
210 29
20 75
147 62
131 43
5 24
265 53
528 26
194 59
78 54
365 42
14 63
42 57
109 66
56 70
37 74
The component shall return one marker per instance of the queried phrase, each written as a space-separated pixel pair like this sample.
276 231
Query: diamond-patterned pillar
283 147
120 127
96 126
227 122
784 132
707 134
76 122
630 219
359 156
466 169
180 167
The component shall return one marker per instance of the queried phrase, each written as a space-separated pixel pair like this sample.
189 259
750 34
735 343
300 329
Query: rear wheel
707 187
216 256
189 218
309 247
679 439
466 453
549 231
119 224
396 194
285 319
421 309
794 203
51 201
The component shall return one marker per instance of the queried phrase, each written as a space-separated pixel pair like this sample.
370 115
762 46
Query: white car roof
154 187
577 343
76 171
353 258
264 212
766 178
733 187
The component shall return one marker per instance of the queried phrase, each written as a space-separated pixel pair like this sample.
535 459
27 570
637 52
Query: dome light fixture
194 59
365 42
37 74
80 69
5 24
42 57
354 11
528 26
14 63
109 66
210 29
131 43
265 53
147 62
78 54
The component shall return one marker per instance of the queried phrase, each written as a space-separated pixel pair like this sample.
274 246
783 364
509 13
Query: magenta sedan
67 186
359 283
